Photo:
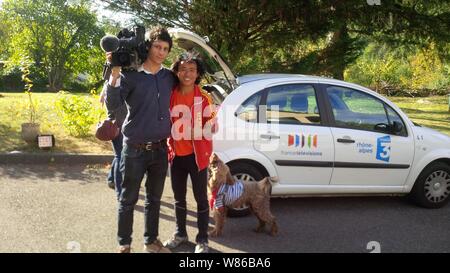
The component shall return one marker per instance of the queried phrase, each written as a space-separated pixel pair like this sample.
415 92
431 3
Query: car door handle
345 140
267 136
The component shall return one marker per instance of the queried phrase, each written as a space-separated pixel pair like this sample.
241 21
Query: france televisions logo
302 140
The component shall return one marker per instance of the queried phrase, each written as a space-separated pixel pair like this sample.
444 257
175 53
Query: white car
320 136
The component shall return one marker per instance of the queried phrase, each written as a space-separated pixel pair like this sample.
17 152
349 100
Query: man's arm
103 94
117 90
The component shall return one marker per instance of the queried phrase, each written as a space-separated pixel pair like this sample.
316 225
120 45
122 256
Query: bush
415 72
77 113
410 92
11 80
83 83
428 72
76 86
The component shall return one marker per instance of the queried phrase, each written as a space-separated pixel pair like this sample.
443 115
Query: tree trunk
338 52
55 83
335 57
56 77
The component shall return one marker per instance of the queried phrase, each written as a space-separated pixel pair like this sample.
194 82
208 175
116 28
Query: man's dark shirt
147 98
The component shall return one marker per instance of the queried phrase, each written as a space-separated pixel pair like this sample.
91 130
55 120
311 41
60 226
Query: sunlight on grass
12 109
431 112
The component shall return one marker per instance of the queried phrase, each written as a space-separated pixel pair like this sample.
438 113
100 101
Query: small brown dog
225 193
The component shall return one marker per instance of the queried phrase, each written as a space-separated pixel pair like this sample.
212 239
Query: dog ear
229 178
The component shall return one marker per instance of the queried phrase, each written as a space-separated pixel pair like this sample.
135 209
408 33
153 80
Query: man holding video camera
146 93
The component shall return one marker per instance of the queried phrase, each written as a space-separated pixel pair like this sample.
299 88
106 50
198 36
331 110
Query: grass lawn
12 115
431 112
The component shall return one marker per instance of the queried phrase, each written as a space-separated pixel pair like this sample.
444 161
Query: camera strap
106 70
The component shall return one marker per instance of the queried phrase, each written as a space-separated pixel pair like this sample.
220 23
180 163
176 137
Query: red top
182 134
202 112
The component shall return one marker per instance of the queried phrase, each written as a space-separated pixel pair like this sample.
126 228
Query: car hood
216 67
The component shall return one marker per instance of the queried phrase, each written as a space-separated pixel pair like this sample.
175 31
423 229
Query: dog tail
266 184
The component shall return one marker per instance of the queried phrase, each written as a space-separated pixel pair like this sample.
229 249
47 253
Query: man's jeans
115 175
134 164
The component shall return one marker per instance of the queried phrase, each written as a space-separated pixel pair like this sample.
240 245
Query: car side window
393 116
248 110
292 104
357 110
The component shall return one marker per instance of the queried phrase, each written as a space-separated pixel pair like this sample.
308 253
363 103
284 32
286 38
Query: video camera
128 49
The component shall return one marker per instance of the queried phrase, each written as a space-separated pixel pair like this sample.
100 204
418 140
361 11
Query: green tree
4 40
379 67
340 29
427 69
60 36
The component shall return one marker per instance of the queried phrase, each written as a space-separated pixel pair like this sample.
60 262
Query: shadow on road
336 224
57 172
343 225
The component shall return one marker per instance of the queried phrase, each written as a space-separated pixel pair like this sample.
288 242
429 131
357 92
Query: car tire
432 187
247 172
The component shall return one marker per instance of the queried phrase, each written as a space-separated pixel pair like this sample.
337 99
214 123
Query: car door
290 132
367 151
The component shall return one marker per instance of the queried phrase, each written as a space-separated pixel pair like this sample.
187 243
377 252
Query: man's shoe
202 248
156 247
124 249
175 241
111 185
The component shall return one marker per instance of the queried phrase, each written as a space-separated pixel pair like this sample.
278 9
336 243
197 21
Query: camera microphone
127 50
109 43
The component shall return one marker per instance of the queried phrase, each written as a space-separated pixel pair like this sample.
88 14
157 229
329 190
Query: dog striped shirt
227 194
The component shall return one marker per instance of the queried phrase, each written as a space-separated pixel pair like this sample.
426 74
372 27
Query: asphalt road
61 208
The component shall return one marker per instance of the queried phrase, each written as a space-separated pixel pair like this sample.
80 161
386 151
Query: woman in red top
192 126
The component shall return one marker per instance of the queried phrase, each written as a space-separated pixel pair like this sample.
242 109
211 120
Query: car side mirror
396 127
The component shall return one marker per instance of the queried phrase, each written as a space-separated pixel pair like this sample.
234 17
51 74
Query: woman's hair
189 57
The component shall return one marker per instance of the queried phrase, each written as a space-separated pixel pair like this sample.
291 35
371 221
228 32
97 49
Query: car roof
279 77
266 76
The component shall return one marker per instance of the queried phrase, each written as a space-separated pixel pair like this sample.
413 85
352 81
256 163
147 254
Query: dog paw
258 229
273 232
214 233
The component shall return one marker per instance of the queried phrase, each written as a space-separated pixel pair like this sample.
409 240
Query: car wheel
244 172
432 187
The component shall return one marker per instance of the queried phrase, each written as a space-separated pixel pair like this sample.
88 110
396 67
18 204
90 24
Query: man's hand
115 71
